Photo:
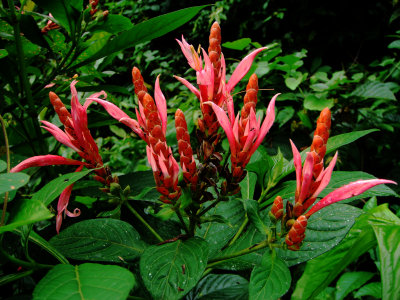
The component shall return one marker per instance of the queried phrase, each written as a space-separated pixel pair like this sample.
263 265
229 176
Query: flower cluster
311 180
76 136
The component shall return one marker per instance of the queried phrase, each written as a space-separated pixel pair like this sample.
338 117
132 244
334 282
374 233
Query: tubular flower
277 209
76 136
151 126
313 178
50 25
185 150
212 86
244 132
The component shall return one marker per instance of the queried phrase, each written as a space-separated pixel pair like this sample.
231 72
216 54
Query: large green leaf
113 24
12 181
27 211
388 237
55 187
321 271
270 280
351 281
334 143
325 229
252 210
218 234
3 165
220 287
86 281
99 240
145 31
373 289
171 270
374 89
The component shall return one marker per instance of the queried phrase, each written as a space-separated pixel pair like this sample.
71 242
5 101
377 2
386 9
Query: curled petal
231 109
95 95
350 190
150 158
307 177
191 55
59 135
242 69
225 124
325 177
297 166
161 104
44 160
190 86
266 125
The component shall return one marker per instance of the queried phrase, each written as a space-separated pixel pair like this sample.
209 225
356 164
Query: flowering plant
204 220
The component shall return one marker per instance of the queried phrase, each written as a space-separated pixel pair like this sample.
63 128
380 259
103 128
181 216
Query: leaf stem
251 249
137 215
3 126
22 263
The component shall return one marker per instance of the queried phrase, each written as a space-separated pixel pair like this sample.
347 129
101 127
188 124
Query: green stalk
22 263
137 215
15 20
3 126
251 249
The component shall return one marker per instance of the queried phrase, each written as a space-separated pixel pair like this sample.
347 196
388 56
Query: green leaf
3 165
293 83
325 229
41 242
373 289
312 102
99 240
66 12
3 53
239 44
321 271
27 211
31 31
94 45
113 24
218 234
220 287
145 31
171 270
247 185
260 163
86 281
349 282
388 237
284 115
394 45
374 90
55 187
252 209
12 181
270 280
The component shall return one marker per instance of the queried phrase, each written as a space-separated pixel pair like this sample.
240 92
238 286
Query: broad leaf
321 271
252 209
12 181
325 229
27 211
374 90
351 281
3 165
238 44
145 31
86 281
55 187
388 237
312 102
218 234
373 289
270 280
220 287
113 24
247 185
171 270
99 240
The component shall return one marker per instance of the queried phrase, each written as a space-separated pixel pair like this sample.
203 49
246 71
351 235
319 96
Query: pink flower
76 136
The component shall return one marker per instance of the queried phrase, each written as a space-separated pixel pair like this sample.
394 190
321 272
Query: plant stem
178 213
3 126
23 74
144 222
211 206
259 246
240 230
22 263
